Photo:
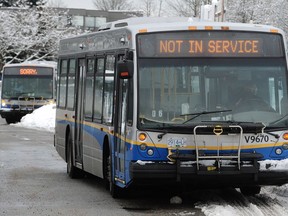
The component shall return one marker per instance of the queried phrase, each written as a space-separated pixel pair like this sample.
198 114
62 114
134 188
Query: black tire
72 171
10 120
250 190
107 173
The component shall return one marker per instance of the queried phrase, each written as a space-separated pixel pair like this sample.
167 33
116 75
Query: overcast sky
86 4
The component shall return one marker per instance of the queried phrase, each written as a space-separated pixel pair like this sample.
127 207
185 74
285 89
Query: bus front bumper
14 112
163 172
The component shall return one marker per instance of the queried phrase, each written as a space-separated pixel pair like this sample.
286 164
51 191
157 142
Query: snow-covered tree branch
32 33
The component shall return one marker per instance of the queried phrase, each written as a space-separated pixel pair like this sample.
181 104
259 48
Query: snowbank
274 165
42 118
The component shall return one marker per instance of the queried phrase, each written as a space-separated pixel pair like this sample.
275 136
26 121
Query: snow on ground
272 200
42 118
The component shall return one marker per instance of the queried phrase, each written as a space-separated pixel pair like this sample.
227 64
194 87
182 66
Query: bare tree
160 8
152 7
242 11
259 11
148 7
186 8
113 5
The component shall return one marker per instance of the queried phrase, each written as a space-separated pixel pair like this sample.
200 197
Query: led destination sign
28 71
210 44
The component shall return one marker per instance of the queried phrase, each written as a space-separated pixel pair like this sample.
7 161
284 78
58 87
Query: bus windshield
188 91
27 84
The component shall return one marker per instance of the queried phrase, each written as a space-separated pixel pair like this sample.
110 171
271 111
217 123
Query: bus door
120 129
81 72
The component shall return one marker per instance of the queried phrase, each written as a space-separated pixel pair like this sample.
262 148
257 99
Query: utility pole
222 10
160 8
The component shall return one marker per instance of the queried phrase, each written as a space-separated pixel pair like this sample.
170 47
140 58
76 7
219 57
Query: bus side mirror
125 69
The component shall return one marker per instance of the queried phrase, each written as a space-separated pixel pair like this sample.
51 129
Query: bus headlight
285 146
3 103
143 146
150 152
278 151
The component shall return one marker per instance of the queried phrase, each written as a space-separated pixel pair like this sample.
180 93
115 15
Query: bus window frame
104 121
69 74
99 74
62 74
89 74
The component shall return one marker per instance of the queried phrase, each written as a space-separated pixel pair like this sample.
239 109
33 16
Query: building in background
93 19
208 12
214 12
89 19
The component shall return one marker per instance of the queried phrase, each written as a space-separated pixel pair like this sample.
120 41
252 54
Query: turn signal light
142 137
225 28
274 30
285 136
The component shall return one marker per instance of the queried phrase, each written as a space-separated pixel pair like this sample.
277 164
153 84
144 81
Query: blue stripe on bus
160 153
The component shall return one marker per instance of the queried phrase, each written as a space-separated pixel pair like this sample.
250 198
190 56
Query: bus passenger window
109 89
71 84
98 94
89 86
62 84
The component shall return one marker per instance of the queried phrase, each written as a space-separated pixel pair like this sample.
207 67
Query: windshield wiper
202 113
278 120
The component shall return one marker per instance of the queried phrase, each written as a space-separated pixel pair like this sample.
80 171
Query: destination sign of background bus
28 71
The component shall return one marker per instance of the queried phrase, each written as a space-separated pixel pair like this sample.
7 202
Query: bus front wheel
12 120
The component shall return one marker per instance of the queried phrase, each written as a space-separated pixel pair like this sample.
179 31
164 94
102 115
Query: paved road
33 181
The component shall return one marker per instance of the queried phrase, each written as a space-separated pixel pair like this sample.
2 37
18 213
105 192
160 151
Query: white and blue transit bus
25 87
174 101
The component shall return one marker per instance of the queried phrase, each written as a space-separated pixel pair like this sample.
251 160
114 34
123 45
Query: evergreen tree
35 3
19 3
9 3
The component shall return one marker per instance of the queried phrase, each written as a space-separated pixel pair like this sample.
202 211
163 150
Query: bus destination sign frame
209 44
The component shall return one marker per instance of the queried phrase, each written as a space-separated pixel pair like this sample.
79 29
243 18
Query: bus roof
181 23
33 63
115 35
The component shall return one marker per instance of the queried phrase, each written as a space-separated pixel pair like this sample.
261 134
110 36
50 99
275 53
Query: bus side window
98 92
89 86
62 83
71 84
109 89
130 103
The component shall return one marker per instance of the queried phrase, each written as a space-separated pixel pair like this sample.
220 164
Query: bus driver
250 101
